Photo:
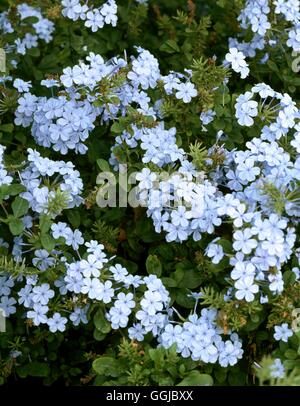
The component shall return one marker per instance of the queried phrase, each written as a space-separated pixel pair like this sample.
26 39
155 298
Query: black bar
140 395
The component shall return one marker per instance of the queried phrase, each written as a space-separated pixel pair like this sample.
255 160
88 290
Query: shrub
149 192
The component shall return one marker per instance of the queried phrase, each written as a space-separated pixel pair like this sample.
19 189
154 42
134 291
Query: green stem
5 211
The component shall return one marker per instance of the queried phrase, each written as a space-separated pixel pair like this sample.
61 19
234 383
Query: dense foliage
149 192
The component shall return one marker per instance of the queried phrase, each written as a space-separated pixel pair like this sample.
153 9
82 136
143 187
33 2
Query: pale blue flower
282 332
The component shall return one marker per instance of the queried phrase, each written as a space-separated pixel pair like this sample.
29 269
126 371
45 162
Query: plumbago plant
150 194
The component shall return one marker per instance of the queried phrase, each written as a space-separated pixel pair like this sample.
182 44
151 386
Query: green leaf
98 335
34 52
221 375
153 265
184 300
101 323
21 138
11 190
192 279
74 218
163 250
20 206
7 128
16 189
226 245
48 242
292 79
283 346
169 282
16 226
219 124
106 366
45 223
178 275
38 369
30 20
120 154
252 325
289 363
237 378
4 191
272 65
103 165
170 47
117 127
195 378
289 278
145 230
157 355
291 354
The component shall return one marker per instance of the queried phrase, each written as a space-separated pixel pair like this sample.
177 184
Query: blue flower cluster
94 18
264 234
189 203
180 85
237 61
140 303
260 17
86 276
61 178
42 29
200 339
263 237
182 202
65 122
57 122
